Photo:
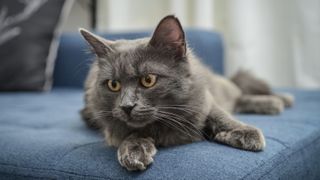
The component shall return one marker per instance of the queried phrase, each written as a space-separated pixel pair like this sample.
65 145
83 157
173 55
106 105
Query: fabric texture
29 32
42 136
73 59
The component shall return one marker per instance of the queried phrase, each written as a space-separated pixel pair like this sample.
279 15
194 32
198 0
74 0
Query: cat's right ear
170 35
99 45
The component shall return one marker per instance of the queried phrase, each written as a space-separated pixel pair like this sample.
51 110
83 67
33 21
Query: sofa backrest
73 61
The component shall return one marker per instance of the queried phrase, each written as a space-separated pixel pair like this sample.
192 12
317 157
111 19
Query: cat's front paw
247 138
136 154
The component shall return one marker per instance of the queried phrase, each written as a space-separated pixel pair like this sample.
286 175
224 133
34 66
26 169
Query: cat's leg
261 104
136 153
251 85
224 128
288 99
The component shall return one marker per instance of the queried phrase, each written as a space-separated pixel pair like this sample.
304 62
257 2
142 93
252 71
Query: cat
154 92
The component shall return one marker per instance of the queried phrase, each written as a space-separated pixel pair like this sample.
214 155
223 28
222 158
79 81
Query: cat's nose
127 108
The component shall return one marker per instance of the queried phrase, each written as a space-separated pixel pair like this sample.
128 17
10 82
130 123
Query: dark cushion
29 32
42 136
73 61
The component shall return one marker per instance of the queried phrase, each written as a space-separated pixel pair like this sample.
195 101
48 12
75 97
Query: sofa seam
279 141
55 165
53 170
285 156
45 169
73 149
290 155
28 176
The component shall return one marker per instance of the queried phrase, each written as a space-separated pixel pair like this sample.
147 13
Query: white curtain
279 41
306 43
131 15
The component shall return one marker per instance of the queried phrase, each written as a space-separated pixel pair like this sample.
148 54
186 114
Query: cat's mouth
138 122
136 118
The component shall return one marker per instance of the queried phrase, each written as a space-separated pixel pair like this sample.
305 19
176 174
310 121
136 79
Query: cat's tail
249 84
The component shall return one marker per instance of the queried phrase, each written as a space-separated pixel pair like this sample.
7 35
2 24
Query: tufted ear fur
169 35
100 46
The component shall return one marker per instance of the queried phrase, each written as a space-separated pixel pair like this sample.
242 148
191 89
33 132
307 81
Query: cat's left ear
99 45
169 35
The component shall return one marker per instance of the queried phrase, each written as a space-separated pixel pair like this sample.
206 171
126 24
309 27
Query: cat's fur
188 102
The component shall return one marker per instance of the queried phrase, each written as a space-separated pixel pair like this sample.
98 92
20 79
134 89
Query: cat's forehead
135 65
129 45
132 58
128 65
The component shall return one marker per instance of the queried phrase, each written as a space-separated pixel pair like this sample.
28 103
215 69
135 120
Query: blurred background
278 41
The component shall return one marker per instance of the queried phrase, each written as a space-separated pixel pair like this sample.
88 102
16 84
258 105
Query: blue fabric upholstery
73 62
42 136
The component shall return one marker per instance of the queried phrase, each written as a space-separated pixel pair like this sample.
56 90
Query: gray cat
153 92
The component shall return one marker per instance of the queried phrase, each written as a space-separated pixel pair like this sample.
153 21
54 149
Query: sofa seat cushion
42 136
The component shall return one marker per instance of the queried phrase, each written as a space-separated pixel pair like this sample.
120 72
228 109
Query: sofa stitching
25 176
67 172
73 149
99 177
54 169
48 169
277 140
290 155
264 162
282 153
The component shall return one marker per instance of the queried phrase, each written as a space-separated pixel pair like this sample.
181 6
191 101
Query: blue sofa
42 135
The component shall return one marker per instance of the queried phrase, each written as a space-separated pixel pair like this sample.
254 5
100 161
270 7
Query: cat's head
141 81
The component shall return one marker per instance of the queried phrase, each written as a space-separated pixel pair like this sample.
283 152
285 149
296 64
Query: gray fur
258 96
188 102
250 84
261 104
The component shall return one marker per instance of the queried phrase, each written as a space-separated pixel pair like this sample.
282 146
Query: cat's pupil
148 79
114 83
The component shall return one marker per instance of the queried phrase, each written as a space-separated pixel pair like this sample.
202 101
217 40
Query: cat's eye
149 80
114 85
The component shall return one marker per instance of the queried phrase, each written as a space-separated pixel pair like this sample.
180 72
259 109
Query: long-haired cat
153 92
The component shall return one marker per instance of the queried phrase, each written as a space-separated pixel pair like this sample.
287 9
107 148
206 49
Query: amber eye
149 80
114 85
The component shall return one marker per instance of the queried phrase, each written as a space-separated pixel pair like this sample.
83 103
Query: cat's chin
138 124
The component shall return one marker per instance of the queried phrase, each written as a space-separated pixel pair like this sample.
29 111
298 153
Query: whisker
171 122
184 108
175 117
200 131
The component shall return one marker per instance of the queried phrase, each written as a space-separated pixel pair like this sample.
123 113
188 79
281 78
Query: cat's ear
169 34
99 45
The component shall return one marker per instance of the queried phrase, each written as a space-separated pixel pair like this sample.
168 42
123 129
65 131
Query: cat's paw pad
247 138
137 155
